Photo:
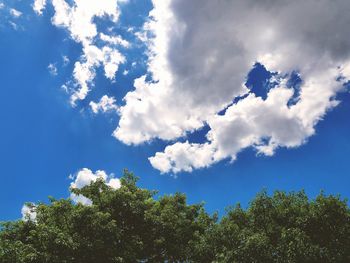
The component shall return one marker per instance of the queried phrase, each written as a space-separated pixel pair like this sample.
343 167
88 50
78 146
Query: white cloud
105 104
114 183
29 212
84 70
66 60
114 40
14 25
111 60
52 69
200 53
78 19
39 6
199 59
252 122
15 13
84 177
2 5
179 157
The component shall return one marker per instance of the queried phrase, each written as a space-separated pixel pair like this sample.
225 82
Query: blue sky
44 138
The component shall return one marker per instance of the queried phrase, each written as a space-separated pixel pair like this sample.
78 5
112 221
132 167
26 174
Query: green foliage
130 225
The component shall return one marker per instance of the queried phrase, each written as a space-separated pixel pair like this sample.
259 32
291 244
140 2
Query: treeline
131 225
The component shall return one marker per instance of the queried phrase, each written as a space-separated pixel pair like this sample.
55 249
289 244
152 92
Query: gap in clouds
258 81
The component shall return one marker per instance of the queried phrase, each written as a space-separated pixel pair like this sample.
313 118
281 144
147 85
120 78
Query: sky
215 99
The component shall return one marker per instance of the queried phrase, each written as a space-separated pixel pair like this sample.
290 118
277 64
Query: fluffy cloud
78 19
84 71
39 6
200 53
82 178
52 69
15 13
65 60
85 176
114 40
29 212
105 104
179 157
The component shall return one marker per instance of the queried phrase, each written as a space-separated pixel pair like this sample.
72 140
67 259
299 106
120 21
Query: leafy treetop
131 225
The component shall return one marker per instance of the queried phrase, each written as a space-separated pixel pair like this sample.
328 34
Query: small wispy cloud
52 69
104 105
79 19
65 60
15 13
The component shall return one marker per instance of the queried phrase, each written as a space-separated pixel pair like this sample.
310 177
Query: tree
124 225
131 225
286 228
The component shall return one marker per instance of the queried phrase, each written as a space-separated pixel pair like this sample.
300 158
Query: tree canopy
130 224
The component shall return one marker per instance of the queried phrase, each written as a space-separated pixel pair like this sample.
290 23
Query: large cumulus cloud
200 53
